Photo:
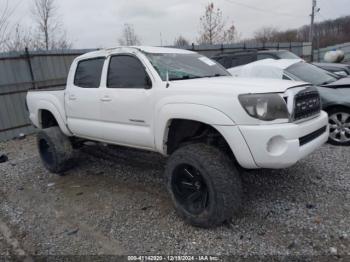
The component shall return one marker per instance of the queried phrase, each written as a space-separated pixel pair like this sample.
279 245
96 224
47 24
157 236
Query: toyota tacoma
188 108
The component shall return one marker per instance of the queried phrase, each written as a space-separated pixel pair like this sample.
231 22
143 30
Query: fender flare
44 105
208 115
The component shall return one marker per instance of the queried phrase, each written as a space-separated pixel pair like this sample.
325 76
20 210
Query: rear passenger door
83 98
127 109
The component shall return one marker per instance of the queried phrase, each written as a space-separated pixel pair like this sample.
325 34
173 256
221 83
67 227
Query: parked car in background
342 70
335 92
187 107
243 57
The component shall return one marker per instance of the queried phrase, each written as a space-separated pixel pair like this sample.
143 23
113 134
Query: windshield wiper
187 77
184 78
216 75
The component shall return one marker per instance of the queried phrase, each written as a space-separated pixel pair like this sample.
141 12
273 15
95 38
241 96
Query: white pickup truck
184 106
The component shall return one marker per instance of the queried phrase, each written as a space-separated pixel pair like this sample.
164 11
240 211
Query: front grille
308 138
306 104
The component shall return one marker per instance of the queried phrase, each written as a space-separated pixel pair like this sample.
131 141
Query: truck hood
236 85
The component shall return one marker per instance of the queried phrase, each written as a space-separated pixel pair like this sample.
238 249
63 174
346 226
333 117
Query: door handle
72 97
106 99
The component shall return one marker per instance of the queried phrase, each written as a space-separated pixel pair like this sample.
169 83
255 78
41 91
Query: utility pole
311 36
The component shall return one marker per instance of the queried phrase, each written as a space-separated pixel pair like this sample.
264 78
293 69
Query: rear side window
127 72
88 73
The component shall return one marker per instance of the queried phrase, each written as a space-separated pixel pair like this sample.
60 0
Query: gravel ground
114 202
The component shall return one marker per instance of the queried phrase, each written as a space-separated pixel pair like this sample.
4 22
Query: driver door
127 107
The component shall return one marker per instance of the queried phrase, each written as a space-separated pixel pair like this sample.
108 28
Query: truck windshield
311 74
185 66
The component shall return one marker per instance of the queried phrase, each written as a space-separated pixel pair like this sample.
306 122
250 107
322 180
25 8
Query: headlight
266 107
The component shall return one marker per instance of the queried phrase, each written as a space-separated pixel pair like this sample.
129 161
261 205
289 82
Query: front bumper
276 146
281 146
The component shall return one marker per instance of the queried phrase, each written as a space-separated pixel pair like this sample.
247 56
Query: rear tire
204 185
339 123
56 150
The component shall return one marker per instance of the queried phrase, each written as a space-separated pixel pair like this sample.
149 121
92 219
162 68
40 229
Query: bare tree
181 41
329 32
5 13
213 27
288 36
265 34
50 29
129 36
230 35
20 39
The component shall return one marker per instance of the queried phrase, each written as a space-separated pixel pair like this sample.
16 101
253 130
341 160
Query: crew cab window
88 73
127 72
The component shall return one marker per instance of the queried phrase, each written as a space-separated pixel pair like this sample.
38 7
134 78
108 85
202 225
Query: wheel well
183 132
47 119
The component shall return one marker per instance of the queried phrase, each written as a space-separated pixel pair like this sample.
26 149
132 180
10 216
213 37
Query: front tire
339 123
56 150
204 185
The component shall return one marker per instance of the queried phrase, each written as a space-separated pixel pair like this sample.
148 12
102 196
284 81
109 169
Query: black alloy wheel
204 185
190 189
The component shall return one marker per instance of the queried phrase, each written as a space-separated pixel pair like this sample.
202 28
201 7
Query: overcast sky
93 23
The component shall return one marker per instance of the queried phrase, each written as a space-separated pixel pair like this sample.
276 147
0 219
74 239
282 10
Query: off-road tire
60 148
222 180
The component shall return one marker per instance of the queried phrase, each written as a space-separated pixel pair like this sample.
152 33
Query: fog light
277 146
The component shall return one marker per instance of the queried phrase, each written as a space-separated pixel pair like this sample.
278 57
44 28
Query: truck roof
147 49
162 50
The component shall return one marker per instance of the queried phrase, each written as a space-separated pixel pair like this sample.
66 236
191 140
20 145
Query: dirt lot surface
114 202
